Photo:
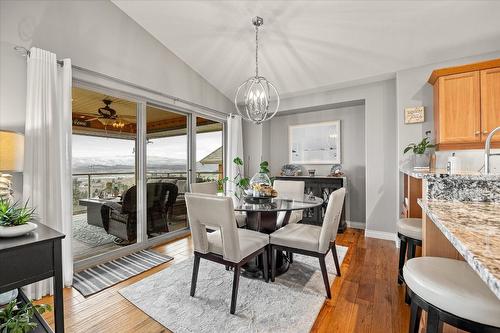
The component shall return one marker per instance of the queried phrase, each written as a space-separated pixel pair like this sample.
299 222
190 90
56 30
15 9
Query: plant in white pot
15 219
421 153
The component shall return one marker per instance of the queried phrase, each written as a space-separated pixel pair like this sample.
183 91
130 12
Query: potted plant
16 318
15 219
243 183
420 152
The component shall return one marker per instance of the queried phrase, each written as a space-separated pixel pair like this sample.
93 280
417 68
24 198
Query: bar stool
451 292
410 234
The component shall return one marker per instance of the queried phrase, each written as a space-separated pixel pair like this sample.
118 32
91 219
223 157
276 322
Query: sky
99 148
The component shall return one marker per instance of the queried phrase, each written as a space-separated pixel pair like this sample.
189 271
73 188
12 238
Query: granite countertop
441 173
474 230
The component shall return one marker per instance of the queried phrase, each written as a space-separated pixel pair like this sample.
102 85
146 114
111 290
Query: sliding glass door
166 169
104 173
132 164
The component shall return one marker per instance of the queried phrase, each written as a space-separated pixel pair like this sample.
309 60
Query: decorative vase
422 161
260 178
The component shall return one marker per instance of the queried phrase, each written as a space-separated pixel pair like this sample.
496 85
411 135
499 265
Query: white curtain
47 161
234 149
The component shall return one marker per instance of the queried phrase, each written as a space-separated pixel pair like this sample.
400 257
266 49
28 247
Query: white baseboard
383 235
356 225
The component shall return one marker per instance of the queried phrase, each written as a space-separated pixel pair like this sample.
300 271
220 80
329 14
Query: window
209 151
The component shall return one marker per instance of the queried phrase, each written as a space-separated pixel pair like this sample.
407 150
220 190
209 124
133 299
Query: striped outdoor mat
97 278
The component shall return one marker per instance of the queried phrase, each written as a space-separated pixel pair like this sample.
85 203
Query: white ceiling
312 45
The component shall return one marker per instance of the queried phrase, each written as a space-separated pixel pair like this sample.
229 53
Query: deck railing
122 181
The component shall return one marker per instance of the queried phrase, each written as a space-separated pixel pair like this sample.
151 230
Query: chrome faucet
487 153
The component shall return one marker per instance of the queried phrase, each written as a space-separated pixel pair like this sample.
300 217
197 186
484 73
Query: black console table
31 258
320 187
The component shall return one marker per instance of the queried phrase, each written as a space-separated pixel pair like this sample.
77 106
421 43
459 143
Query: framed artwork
414 115
317 143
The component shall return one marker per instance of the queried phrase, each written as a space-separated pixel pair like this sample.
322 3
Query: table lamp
11 160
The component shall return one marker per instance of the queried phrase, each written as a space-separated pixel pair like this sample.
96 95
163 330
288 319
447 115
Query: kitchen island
467 231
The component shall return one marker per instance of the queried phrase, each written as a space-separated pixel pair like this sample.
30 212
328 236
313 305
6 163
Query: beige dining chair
228 245
311 240
213 188
290 190
205 188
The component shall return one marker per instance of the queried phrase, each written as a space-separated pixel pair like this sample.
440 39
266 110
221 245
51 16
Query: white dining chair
290 190
228 245
213 188
205 188
312 240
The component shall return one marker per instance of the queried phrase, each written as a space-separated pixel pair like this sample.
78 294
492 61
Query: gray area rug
89 234
97 278
290 304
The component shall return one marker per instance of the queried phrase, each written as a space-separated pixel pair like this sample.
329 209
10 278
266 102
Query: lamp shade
11 151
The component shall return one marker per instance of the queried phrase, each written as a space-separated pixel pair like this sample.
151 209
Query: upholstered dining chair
229 245
292 190
312 240
205 188
213 188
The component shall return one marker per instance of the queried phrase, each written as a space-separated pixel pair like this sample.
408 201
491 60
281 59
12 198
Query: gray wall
98 36
381 209
352 124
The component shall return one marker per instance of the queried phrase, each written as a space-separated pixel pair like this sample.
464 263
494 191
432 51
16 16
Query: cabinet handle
485 132
477 132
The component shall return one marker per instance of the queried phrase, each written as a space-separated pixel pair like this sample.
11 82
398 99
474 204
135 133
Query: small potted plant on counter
421 153
17 318
15 219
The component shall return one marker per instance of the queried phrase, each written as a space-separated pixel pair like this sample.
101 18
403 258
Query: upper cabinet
466 104
490 101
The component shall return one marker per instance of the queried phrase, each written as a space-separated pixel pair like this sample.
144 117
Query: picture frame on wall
316 143
414 115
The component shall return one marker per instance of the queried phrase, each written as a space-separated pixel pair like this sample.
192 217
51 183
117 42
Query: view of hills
119 164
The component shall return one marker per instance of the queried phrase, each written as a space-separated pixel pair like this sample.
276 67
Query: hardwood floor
366 298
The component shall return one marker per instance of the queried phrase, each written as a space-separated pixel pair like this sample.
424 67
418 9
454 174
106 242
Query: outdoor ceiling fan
108 116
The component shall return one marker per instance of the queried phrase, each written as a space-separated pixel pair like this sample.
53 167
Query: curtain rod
25 53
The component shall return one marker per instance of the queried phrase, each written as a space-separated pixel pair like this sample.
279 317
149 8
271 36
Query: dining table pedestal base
267 217
266 222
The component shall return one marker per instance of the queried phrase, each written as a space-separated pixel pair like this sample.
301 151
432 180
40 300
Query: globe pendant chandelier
257 99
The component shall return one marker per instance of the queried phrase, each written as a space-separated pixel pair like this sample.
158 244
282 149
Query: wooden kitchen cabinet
459 108
412 192
466 105
490 102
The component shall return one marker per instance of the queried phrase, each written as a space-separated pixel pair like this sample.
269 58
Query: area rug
290 304
100 277
89 234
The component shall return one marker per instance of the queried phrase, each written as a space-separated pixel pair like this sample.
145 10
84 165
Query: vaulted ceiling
311 45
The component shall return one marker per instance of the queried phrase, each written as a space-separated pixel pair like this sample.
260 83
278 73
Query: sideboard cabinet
466 104
320 187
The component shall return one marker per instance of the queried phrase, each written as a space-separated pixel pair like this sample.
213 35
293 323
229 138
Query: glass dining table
267 217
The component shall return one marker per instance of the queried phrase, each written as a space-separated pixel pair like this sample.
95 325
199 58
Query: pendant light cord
256 51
